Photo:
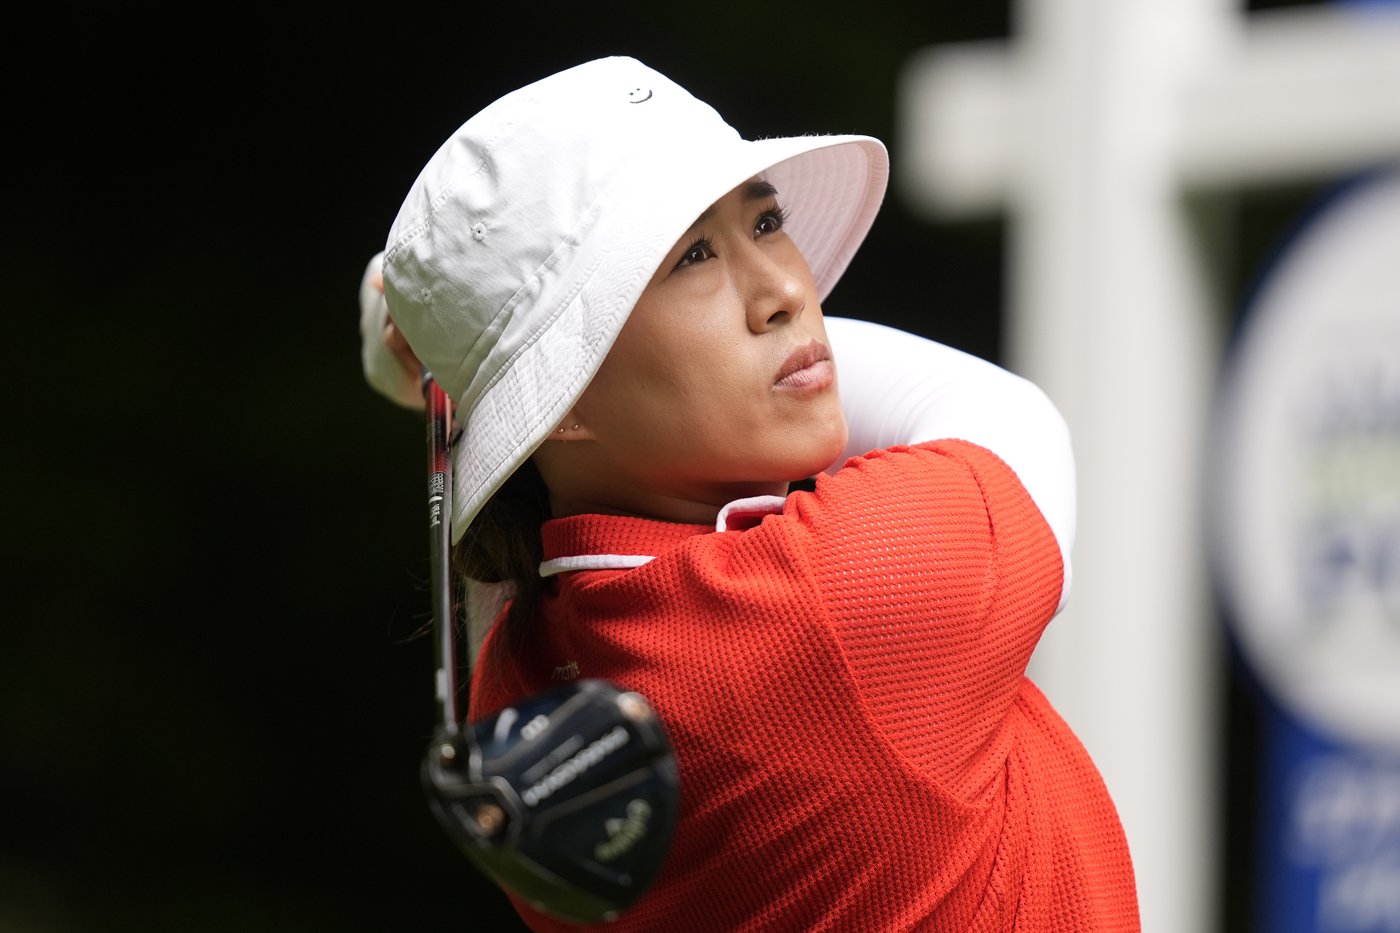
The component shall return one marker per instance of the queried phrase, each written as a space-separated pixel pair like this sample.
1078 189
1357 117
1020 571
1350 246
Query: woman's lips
807 367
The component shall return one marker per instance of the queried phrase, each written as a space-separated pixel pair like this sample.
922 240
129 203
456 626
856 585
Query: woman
624 299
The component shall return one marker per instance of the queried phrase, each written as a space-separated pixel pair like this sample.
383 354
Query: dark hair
502 545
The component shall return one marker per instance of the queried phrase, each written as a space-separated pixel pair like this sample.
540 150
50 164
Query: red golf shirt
844 684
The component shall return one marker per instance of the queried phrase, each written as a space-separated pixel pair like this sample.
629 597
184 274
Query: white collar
738 515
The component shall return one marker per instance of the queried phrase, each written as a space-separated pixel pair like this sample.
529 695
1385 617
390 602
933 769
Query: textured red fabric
844 684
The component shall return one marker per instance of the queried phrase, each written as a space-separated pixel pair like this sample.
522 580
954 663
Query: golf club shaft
440 550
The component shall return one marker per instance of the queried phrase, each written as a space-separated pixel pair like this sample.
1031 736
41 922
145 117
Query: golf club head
567 799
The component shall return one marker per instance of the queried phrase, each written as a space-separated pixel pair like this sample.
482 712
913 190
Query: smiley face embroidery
638 95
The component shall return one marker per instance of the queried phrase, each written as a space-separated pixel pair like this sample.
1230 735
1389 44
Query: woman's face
721 384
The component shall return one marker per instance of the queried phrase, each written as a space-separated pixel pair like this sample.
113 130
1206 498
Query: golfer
824 549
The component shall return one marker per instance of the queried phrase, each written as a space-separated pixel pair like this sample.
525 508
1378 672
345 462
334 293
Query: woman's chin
819 457
834 447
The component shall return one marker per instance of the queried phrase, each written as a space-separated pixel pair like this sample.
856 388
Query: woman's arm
899 388
389 365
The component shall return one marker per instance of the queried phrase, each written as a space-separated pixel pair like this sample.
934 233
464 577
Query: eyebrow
753 191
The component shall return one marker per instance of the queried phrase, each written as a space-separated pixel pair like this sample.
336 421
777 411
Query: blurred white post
1085 130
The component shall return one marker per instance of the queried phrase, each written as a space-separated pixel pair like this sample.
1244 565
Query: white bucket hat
528 237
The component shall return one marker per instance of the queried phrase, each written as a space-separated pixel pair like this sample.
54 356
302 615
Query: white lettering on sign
1344 821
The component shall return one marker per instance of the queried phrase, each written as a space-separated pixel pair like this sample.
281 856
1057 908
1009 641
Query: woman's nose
773 287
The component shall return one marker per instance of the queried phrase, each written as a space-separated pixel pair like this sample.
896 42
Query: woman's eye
770 221
698 252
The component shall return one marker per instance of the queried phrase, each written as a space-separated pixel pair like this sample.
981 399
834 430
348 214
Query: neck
685 508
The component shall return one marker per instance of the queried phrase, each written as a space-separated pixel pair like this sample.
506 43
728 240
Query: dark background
212 702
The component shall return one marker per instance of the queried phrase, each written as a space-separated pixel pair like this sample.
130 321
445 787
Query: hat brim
832 187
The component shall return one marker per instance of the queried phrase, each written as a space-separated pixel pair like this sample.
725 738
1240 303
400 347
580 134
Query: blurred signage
1305 535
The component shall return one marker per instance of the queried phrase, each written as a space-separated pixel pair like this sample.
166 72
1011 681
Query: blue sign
1305 541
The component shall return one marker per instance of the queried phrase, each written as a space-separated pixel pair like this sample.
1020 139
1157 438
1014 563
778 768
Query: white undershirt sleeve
383 371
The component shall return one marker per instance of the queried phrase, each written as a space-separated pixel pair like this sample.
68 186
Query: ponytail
502 545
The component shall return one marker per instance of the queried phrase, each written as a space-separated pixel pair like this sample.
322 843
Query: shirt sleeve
900 388
938 573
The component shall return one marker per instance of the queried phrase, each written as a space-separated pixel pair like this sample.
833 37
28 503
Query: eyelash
774 212
700 241
778 213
